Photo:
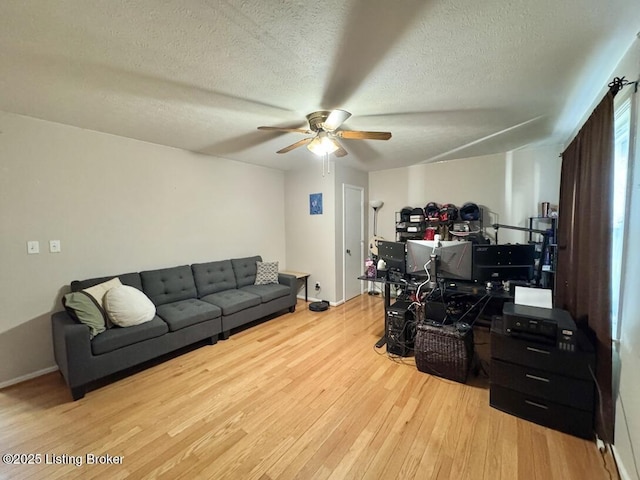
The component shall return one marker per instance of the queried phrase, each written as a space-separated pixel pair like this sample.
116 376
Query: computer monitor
503 262
455 261
418 254
453 258
393 254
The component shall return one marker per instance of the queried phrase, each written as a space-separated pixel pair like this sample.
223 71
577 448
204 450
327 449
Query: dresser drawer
573 421
568 391
541 356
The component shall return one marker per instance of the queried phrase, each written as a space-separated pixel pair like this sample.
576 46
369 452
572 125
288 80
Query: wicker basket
444 350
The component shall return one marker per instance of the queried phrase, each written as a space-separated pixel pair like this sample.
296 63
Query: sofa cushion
185 313
268 292
245 270
119 337
84 309
266 273
127 306
132 279
168 285
213 277
232 301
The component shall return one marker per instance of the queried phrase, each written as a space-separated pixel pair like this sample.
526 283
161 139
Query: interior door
353 240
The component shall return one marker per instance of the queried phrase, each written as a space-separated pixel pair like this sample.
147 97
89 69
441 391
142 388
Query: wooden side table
300 276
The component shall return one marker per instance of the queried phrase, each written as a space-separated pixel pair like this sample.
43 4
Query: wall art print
315 204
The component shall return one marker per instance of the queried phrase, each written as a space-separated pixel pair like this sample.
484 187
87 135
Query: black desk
474 294
469 290
387 287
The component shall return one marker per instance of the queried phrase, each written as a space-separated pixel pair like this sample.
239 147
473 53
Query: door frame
346 186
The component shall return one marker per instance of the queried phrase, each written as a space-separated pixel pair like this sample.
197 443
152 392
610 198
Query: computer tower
400 329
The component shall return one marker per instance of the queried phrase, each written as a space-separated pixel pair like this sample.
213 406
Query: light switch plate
33 246
54 246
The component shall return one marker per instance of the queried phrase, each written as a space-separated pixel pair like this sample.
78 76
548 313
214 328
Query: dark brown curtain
584 244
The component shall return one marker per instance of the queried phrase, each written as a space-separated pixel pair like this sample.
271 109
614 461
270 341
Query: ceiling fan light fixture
323 145
326 125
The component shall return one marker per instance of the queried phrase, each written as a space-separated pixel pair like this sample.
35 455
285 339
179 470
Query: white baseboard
624 475
313 299
28 376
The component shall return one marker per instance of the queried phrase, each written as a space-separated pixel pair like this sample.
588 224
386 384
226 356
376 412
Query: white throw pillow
98 291
128 306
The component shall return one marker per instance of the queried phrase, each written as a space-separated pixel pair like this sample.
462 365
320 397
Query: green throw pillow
82 307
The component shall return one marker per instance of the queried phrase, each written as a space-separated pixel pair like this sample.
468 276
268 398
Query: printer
552 326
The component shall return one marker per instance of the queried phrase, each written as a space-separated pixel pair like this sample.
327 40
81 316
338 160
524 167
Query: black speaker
400 329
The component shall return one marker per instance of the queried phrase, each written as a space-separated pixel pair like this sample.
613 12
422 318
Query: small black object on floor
319 306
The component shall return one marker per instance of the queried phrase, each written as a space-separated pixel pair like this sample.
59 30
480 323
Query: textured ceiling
448 79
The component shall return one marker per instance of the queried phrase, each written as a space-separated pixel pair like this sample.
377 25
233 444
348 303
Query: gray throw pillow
267 273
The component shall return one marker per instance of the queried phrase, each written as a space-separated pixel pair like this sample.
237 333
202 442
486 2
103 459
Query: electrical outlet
33 246
54 246
317 285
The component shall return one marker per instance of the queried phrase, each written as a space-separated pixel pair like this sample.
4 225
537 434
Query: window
622 125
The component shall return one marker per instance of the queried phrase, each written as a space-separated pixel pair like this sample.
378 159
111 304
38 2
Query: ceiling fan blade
299 143
341 152
282 129
335 119
360 135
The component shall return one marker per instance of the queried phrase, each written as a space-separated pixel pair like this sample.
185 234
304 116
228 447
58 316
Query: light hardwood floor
303 395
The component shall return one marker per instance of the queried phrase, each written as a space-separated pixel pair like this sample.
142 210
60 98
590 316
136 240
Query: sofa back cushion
213 277
245 270
131 279
168 285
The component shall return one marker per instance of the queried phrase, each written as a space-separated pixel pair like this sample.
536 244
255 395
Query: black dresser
538 382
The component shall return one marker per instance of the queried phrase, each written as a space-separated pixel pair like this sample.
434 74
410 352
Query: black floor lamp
373 243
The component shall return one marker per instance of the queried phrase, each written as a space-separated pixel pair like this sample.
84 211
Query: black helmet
448 213
470 211
431 211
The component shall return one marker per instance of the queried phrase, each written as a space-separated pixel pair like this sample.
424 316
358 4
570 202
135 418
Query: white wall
392 187
314 242
627 426
117 205
310 239
508 186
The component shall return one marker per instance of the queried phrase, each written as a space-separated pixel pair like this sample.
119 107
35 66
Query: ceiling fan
324 124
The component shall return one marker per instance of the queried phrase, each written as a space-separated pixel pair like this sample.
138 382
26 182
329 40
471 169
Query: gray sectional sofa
193 303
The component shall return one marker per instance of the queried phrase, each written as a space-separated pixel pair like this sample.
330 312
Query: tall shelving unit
408 230
549 255
465 228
